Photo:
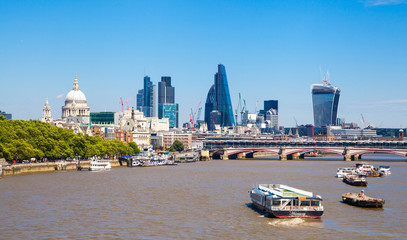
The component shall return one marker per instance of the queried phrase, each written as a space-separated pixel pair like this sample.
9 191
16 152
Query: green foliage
177 146
21 140
134 147
2 118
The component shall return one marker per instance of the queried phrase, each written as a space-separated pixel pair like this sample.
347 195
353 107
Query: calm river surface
204 200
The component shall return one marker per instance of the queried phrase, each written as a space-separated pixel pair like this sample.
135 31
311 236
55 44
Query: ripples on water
204 200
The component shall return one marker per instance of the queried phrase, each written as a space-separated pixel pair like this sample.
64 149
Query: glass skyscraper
218 99
146 98
167 108
325 100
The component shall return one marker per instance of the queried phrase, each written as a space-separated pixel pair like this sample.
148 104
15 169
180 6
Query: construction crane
192 116
243 109
199 114
363 120
238 108
127 103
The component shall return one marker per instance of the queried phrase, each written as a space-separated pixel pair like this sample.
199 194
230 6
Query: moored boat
282 201
342 172
355 180
361 200
97 164
384 171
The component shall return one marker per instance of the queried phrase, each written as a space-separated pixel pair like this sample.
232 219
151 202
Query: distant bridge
287 150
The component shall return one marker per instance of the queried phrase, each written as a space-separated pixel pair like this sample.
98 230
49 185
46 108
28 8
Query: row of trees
21 140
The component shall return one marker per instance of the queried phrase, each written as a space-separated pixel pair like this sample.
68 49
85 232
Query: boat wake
287 222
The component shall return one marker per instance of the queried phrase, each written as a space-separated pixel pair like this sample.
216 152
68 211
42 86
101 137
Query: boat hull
358 183
366 202
290 213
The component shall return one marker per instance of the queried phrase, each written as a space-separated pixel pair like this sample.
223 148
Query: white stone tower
46 113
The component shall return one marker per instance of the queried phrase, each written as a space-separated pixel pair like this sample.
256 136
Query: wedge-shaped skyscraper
325 100
218 99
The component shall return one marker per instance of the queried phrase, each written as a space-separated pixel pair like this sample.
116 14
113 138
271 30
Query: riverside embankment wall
28 168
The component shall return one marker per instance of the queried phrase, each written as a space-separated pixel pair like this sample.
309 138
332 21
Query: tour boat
361 200
97 164
282 201
342 172
384 171
151 161
363 168
355 180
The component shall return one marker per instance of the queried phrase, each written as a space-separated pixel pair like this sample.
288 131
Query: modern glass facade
325 100
146 98
219 99
209 105
102 117
167 108
166 92
170 111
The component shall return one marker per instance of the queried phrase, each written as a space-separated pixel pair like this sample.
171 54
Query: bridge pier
294 156
241 155
282 154
355 157
346 155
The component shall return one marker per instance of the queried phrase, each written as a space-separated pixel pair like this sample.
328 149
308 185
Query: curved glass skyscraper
218 99
325 100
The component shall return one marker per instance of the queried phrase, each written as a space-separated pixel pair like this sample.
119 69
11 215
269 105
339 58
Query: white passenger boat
97 164
342 172
286 202
384 171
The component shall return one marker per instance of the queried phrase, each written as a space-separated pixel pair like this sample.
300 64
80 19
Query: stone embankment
28 168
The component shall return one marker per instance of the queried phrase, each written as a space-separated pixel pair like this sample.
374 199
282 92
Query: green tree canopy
177 146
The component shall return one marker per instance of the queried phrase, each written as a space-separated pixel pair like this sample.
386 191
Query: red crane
126 101
192 117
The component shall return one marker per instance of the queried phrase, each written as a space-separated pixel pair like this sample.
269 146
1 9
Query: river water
203 200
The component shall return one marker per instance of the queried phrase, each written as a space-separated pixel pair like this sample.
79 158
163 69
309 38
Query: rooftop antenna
320 72
327 80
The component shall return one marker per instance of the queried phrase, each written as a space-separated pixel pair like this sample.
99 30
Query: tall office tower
146 98
219 92
325 100
140 100
209 106
167 108
270 104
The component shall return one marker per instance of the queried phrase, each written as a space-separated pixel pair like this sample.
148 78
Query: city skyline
272 50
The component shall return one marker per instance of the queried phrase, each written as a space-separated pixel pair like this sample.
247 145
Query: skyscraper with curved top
218 99
325 100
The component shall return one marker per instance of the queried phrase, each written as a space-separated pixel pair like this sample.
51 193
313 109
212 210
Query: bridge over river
288 150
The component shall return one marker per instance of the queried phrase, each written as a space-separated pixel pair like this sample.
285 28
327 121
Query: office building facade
146 98
325 100
218 99
167 108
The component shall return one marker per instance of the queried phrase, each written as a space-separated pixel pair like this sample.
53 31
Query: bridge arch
306 150
378 151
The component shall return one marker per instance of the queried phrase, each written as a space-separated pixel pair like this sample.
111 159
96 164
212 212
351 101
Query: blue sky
271 50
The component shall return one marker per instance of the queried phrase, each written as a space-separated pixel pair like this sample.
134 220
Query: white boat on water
342 172
384 171
283 201
97 164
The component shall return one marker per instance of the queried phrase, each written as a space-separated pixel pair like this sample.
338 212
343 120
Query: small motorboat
384 171
355 180
361 200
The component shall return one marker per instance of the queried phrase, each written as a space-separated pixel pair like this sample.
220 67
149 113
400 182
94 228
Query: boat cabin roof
285 191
